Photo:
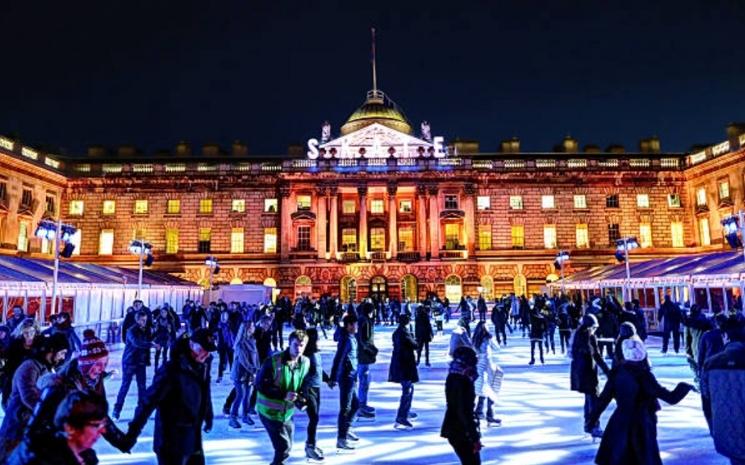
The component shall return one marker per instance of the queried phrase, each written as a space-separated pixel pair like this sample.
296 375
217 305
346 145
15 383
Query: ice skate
313 454
344 447
403 425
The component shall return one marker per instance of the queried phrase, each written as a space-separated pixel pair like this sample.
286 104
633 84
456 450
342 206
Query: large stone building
379 208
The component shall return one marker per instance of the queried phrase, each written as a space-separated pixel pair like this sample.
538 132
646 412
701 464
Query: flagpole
375 73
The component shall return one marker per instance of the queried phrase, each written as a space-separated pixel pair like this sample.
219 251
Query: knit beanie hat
92 350
633 349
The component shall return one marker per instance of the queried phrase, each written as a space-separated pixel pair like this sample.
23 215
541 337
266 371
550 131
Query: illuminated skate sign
377 141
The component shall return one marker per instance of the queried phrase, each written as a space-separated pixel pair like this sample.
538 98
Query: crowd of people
55 402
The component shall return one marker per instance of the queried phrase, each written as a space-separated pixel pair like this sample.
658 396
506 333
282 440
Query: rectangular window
404 206
76 240
724 194
348 207
645 235
303 237
106 242
236 240
23 236
3 190
270 240
451 202
77 207
377 207
547 202
140 207
673 200
703 230
485 237
701 197
377 239
51 205
303 202
611 201
549 236
582 236
171 240
138 234
452 236
205 206
642 200
270 205
205 240
580 201
483 202
46 246
238 206
516 202
518 236
676 233
26 198
173 206
108 207
349 240
405 239
614 233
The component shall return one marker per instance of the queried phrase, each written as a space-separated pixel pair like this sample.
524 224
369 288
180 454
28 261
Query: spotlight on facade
561 257
624 244
67 250
47 229
730 225
213 264
144 249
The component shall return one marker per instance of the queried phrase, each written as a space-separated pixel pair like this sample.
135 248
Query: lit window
171 240
516 202
138 234
349 240
518 236
270 240
270 205
547 202
701 197
485 237
303 202
109 207
26 198
404 206
236 240
238 206
405 239
205 240
106 242
451 202
580 201
582 236
703 229
483 202
452 236
673 200
23 236
642 200
377 239
173 207
303 237
76 240
549 236
348 207
205 206
676 233
51 205
76 207
376 206
614 233
724 190
645 235
140 207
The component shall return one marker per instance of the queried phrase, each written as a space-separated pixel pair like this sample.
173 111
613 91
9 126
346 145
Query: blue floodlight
730 226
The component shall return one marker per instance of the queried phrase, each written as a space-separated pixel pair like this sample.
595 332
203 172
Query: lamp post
623 245
561 257
730 225
144 251
55 230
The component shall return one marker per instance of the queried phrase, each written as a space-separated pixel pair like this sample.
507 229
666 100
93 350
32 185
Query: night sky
151 73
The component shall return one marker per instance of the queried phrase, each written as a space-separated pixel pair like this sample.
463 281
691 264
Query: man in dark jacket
712 341
670 313
481 306
461 425
403 370
181 394
134 361
423 331
344 372
366 355
584 373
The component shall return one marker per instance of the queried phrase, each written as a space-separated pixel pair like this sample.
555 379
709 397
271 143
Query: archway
453 288
348 289
487 288
520 284
271 283
409 288
236 280
303 286
378 287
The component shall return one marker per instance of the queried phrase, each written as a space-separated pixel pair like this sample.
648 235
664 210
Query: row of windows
483 202
173 206
723 190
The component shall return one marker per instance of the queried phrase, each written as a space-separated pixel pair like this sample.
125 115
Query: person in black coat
631 435
134 361
461 425
499 318
671 318
424 333
181 394
538 328
366 355
481 306
584 373
403 370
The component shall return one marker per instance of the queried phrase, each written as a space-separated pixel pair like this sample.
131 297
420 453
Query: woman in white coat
489 382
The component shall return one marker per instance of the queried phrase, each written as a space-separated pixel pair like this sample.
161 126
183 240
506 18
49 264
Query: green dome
377 109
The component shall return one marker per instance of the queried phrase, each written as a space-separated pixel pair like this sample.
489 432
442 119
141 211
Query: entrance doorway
453 288
378 288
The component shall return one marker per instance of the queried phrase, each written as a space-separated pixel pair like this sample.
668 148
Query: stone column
321 221
362 192
286 222
469 227
421 219
392 225
333 222
14 188
434 221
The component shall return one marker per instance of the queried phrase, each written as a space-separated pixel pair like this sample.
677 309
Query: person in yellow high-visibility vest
278 386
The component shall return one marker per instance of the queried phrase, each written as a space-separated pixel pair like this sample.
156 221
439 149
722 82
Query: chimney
183 149
460 147
210 150
296 151
510 145
97 151
239 149
127 151
650 145
591 148
734 133
615 148
568 145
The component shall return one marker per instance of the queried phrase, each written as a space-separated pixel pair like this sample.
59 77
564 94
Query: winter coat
137 347
52 450
490 374
403 360
695 329
670 313
538 326
723 398
246 363
180 392
366 351
459 337
73 341
346 359
630 438
711 343
422 326
460 423
16 354
585 360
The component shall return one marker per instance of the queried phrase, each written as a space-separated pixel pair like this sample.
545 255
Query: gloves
207 426
127 442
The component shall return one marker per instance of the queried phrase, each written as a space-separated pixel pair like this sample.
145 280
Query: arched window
487 285
378 287
520 285
236 280
409 287
348 289
453 288
303 286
